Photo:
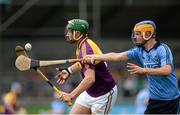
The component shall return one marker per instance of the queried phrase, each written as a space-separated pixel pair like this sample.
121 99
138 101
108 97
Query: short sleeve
165 55
132 53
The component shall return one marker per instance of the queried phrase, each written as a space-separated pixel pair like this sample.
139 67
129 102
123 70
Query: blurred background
42 23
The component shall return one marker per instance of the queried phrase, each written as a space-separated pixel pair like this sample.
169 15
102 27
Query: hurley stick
20 51
24 63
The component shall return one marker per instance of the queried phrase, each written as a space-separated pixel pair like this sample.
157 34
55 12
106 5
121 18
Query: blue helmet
147 22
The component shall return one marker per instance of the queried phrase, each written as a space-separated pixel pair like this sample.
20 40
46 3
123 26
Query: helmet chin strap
74 32
146 38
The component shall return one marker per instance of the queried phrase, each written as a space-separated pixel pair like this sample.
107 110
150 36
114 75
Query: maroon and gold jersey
10 99
103 78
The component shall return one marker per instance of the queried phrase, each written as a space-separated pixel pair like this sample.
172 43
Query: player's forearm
75 67
111 57
157 71
106 57
84 85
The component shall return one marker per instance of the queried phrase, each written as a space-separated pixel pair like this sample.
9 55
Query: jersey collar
81 42
154 47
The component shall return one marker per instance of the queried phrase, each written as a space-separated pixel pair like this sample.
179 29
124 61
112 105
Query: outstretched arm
106 57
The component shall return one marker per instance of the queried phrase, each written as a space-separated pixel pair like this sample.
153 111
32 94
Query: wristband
67 61
70 70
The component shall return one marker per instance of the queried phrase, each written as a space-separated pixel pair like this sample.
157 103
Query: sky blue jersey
160 87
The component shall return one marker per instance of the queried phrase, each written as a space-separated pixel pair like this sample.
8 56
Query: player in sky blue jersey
154 59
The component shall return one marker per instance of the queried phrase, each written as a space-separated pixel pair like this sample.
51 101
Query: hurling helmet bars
145 26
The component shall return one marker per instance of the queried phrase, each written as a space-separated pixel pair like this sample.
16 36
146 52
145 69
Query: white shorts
98 105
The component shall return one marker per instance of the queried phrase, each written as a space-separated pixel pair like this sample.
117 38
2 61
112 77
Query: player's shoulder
9 96
163 47
92 44
136 48
90 41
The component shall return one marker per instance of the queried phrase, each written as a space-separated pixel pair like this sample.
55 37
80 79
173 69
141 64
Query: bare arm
75 67
162 71
106 57
87 82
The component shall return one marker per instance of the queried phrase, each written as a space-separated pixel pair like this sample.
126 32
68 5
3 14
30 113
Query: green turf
38 108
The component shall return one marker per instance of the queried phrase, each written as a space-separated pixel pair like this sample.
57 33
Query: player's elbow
90 80
167 71
114 56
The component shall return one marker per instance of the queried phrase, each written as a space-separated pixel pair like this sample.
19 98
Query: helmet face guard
138 42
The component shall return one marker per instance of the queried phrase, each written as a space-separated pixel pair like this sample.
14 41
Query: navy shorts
163 106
